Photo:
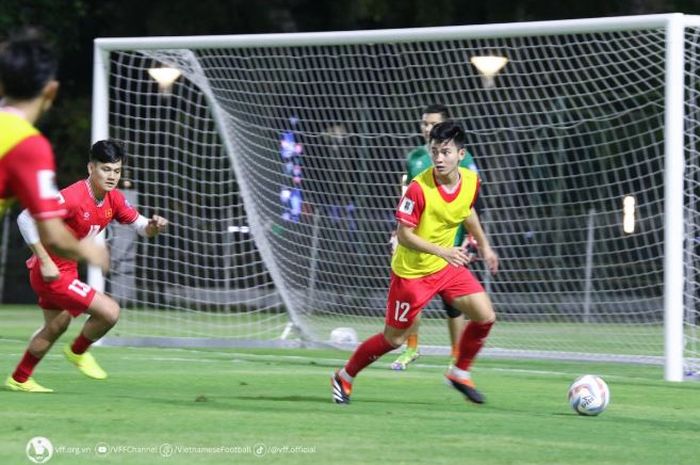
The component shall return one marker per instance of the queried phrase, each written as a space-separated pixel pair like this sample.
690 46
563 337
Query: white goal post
278 159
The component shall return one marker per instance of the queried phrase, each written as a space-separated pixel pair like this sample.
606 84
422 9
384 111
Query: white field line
199 356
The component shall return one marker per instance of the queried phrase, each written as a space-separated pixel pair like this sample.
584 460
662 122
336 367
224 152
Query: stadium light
165 77
628 220
488 66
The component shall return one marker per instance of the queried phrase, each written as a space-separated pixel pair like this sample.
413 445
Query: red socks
367 353
471 342
81 344
25 368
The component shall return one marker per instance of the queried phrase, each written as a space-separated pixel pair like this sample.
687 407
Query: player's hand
471 248
49 271
95 254
490 258
156 225
456 256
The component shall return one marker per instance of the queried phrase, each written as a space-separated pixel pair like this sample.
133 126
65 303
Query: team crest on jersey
108 213
406 206
86 215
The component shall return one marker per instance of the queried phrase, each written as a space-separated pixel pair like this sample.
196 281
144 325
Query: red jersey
27 168
86 216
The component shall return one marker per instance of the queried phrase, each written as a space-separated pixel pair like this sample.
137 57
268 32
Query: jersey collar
448 196
92 194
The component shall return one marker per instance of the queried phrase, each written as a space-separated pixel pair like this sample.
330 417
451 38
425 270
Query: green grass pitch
176 406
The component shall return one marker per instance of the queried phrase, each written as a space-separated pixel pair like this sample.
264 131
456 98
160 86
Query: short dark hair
27 64
437 108
107 151
449 131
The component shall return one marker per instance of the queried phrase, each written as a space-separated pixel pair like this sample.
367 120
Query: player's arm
33 182
30 234
407 237
54 235
146 227
473 225
128 215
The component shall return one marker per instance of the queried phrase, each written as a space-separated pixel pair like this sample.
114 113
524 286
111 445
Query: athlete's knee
60 324
395 339
55 327
110 312
486 316
113 315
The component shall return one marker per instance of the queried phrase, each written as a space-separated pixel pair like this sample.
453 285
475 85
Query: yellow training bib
438 224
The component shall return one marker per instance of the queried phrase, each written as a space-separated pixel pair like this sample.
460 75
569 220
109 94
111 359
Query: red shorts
407 297
65 293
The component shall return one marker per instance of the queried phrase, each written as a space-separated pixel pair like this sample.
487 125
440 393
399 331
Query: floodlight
489 66
165 77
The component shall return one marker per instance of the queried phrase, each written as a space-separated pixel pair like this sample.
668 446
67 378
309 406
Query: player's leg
455 325
411 353
406 299
55 324
467 295
365 354
104 314
479 309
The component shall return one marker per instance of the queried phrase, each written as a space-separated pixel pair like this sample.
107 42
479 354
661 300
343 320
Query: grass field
180 406
609 338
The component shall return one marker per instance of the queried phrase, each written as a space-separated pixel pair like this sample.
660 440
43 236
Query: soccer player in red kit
91 204
426 264
27 170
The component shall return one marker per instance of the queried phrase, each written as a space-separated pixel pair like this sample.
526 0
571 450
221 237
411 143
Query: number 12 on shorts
400 311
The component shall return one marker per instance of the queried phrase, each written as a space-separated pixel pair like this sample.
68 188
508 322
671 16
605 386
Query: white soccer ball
589 395
343 336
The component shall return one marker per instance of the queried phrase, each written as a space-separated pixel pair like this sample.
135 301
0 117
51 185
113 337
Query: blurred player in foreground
27 168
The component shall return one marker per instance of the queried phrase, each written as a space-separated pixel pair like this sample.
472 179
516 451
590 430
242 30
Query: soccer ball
589 395
344 336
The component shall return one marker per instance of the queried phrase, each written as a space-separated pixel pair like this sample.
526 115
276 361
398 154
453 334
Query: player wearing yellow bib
417 161
28 88
426 264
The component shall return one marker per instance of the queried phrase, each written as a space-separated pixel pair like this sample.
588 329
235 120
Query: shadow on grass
327 400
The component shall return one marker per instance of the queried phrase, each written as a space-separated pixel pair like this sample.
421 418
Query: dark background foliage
73 24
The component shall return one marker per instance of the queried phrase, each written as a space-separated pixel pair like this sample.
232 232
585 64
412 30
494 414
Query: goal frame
674 25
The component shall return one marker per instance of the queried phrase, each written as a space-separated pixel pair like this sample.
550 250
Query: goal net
278 161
